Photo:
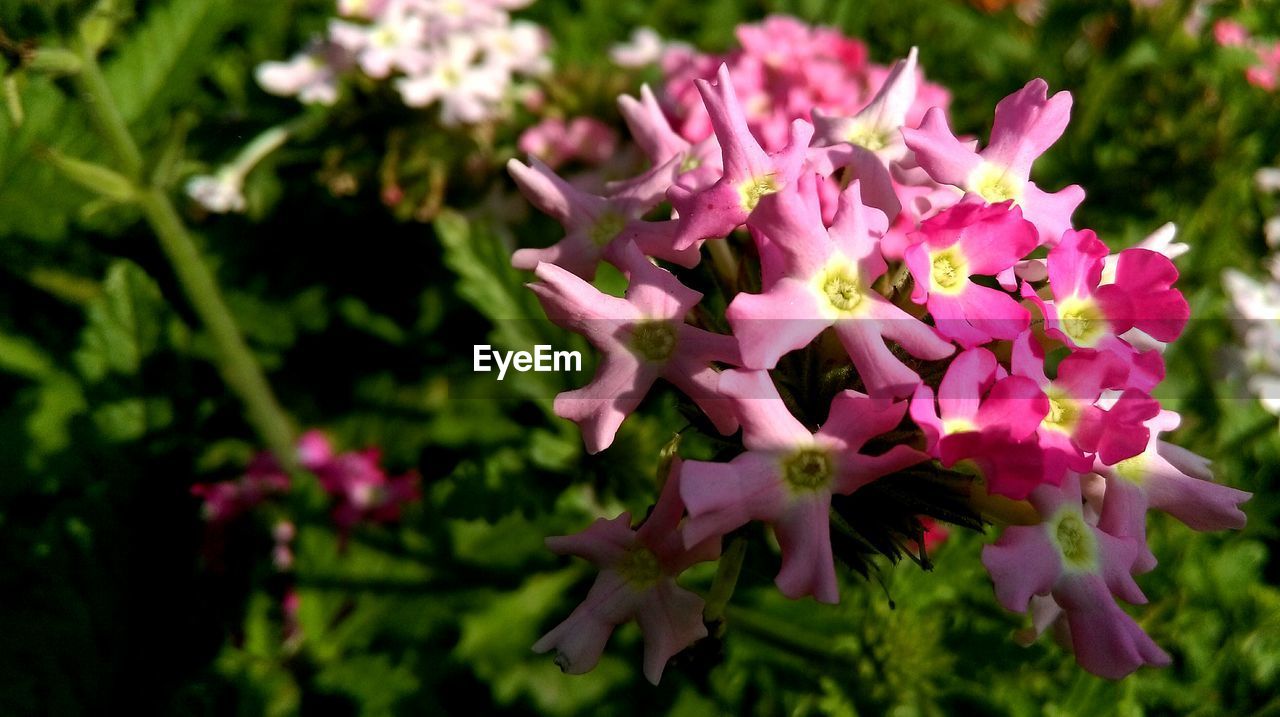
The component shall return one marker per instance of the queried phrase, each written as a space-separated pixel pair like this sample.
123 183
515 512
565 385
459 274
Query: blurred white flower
219 193
645 47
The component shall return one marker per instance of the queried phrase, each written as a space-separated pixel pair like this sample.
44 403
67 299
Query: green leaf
124 324
164 56
94 177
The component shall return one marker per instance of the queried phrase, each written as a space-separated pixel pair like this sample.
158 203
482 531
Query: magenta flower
641 338
787 476
987 417
1026 124
1076 426
815 278
598 227
1081 566
637 581
1086 313
749 173
970 239
1170 479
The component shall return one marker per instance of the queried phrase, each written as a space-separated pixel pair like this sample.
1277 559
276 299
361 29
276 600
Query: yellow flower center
868 136
948 271
1064 412
808 470
606 227
1082 320
958 425
753 189
639 567
654 340
839 290
1075 541
993 184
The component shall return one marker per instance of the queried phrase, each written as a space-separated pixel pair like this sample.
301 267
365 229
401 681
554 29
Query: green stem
238 366
94 92
236 363
725 264
726 580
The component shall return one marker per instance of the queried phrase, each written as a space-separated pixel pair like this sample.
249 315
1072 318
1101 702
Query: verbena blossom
641 337
1264 69
879 259
637 581
359 488
463 57
1026 124
787 475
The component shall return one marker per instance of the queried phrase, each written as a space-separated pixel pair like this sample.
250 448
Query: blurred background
371 253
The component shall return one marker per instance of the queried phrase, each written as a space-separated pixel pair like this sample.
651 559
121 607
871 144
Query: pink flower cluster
984 333
463 56
1264 72
357 485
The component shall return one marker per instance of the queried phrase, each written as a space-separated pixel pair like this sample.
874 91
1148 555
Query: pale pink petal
804 535
766 422
769 325
945 158
722 497
1022 563
1026 124
602 543
670 619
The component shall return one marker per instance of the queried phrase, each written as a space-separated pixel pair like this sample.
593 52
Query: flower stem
725 581
96 95
236 363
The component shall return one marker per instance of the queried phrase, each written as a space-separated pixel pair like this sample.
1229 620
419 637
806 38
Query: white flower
219 193
645 47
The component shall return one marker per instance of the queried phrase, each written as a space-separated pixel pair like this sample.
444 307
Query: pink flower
637 581
1170 479
641 338
1081 566
700 164
1076 427
467 91
598 227
1026 124
877 126
970 239
1229 33
749 173
787 475
225 501
556 142
362 490
1085 313
985 416
815 278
